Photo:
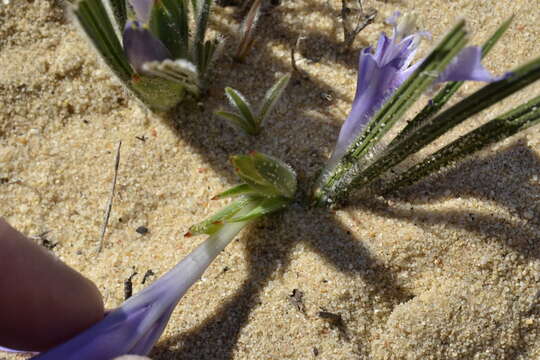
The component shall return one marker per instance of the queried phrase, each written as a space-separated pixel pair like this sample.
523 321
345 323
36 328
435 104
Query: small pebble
142 230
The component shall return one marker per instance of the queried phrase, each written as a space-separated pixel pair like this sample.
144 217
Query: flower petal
140 46
142 9
375 84
134 327
467 66
5 349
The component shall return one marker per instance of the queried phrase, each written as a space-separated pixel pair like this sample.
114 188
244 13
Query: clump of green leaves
246 119
150 45
269 186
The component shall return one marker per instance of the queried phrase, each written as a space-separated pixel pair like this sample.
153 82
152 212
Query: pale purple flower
382 72
140 45
134 327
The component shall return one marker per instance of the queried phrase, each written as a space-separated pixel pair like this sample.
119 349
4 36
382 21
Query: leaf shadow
509 176
504 177
267 256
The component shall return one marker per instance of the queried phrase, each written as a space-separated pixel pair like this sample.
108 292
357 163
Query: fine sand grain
447 269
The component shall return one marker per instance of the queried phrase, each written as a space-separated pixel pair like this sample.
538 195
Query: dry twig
293 58
350 30
109 203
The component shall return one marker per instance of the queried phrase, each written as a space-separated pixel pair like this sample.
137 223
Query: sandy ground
449 269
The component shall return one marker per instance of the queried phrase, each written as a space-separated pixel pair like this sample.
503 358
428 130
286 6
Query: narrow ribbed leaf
169 22
237 121
448 90
271 97
201 24
473 104
263 207
120 13
339 180
243 189
216 221
206 56
162 26
496 130
240 103
94 20
247 30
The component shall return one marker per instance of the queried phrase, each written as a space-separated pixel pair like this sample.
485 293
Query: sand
447 269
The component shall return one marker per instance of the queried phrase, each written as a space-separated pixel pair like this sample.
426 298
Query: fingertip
44 302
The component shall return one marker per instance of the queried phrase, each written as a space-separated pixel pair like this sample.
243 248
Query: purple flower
134 327
382 72
140 45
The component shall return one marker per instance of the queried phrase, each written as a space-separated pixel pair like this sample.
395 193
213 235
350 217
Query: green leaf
270 177
490 43
243 189
216 221
120 13
448 90
263 207
279 174
94 20
169 22
238 121
518 119
240 103
272 96
246 170
157 93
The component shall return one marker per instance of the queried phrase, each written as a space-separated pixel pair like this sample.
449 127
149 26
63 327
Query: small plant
151 47
388 85
270 185
245 118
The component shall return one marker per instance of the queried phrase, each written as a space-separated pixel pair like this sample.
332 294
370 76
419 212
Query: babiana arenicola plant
150 45
246 118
